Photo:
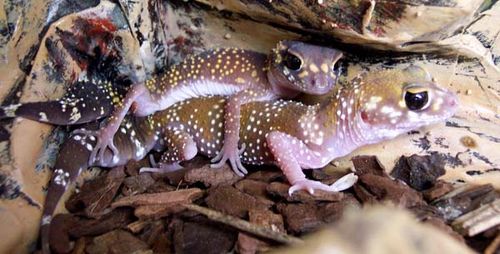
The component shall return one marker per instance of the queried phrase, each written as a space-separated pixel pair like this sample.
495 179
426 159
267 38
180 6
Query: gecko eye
416 100
292 61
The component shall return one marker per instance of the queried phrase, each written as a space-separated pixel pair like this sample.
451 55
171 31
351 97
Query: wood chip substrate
205 210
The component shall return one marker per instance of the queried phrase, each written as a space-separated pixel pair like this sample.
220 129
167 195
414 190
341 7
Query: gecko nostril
313 82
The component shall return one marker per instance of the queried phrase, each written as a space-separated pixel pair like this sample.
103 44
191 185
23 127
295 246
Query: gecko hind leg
292 154
106 133
180 147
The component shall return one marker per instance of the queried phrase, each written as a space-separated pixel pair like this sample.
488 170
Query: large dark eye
416 101
292 61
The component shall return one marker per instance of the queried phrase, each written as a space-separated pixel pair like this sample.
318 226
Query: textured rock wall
456 41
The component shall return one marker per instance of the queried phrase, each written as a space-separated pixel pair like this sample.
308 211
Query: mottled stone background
455 40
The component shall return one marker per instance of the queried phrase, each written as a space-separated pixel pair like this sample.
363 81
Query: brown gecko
370 108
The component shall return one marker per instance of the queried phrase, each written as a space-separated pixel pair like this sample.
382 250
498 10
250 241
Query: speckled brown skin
243 75
371 108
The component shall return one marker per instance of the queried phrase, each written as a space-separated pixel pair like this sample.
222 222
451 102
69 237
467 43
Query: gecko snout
321 85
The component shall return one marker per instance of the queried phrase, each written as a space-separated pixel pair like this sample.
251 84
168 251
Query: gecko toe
217 158
242 149
311 186
241 168
152 161
344 182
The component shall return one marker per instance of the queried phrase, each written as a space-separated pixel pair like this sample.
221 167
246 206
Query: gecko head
302 67
395 101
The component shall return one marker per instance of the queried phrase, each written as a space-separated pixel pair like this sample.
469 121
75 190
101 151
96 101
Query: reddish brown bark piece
281 190
177 177
115 242
163 198
365 164
96 195
268 219
304 218
232 201
203 237
266 176
249 244
161 244
134 185
138 225
253 187
211 177
132 168
113 220
419 172
59 237
80 245
439 189
374 188
160 186
152 231
156 212
319 174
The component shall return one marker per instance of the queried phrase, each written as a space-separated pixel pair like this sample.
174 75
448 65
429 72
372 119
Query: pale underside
32 146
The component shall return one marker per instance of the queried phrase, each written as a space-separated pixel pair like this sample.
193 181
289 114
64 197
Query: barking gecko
368 109
243 75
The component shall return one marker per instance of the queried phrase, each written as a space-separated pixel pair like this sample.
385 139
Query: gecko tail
8 111
72 160
84 102
57 112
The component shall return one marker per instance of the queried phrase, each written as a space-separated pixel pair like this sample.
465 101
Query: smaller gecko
370 108
243 75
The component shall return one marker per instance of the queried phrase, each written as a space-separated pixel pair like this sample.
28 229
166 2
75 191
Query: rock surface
462 38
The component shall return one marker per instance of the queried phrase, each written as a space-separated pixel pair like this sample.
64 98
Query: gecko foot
341 184
104 140
231 153
158 167
162 168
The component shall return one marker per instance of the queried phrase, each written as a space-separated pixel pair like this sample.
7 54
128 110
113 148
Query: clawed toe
233 155
344 182
310 186
162 168
103 141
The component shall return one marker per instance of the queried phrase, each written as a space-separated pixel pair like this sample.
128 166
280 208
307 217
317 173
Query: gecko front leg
291 155
230 150
105 134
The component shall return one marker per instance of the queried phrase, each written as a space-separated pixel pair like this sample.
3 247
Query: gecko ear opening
415 70
364 116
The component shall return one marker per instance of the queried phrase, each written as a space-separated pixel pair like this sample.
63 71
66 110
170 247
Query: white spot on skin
10 111
75 115
386 110
43 117
372 104
46 220
61 177
89 147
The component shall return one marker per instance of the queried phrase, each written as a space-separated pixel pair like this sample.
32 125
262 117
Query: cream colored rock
389 25
377 230
469 66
